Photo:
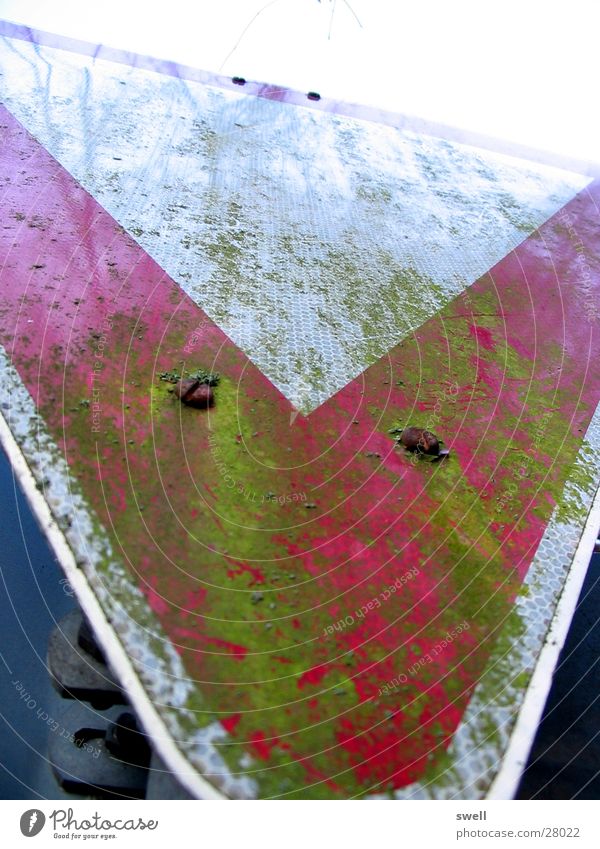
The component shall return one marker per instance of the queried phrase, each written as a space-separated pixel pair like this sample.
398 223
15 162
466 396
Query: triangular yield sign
334 602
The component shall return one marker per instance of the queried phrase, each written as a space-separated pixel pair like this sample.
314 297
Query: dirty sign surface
311 610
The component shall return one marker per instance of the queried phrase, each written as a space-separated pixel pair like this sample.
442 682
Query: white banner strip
273 825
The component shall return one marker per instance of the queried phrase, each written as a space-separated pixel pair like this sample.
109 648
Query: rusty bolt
182 387
194 393
420 440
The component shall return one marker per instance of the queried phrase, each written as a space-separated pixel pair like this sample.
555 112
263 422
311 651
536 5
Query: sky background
522 71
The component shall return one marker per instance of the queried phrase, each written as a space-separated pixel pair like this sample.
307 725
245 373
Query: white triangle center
315 241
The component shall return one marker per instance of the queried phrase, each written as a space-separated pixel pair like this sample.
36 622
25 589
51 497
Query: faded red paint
230 723
313 676
261 745
245 568
483 335
155 599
